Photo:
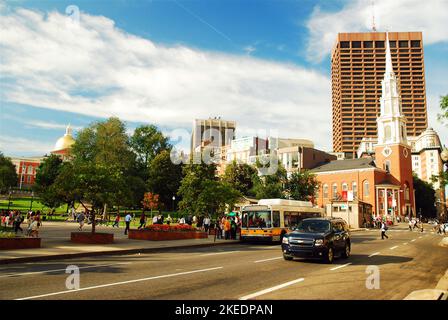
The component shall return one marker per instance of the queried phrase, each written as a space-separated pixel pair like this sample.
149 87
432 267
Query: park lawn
23 204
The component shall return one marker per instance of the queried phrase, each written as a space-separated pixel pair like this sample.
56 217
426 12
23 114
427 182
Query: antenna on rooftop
373 16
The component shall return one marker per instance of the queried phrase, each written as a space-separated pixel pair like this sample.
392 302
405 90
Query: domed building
64 144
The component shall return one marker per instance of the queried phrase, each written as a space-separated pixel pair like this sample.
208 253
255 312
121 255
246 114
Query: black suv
317 238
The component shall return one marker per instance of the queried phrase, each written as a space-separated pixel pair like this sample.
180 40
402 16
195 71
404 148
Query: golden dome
66 141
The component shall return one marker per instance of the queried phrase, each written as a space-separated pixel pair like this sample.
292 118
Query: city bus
270 219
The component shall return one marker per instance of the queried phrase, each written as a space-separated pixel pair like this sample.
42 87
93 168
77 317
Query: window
387 165
406 193
379 44
345 44
344 187
366 188
415 43
356 44
335 190
368 44
276 219
387 132
355 189
325 190
403 43
393 44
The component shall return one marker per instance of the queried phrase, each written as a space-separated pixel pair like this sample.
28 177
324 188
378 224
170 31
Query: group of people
227 227
15 218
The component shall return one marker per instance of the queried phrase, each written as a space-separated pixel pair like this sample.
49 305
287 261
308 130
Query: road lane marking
57 270
120 283
394 247
413 240
405 243
420 237
215 253
374 254
270 259
280 286
339 267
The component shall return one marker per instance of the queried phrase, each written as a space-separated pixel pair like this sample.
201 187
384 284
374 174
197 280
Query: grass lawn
23 204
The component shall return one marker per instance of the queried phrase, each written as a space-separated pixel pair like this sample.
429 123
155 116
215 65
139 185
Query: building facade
383 178
211 132
357 68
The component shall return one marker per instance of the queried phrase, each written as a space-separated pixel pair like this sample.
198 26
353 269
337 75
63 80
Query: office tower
216 132
357 68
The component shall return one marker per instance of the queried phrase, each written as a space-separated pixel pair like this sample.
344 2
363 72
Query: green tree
147 142
103 166
164 177
241 177
46 175
8 175
302 185
425 198
444 107
270 186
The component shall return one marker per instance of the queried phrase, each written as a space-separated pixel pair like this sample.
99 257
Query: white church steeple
391 122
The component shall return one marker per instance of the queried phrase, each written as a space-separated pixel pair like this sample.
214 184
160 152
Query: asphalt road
407 261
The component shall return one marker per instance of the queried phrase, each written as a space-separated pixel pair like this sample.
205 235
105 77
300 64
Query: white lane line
413 240
120 283
215 253
339 267
405 243
270 259
280 286
374 254
57 270
420 237
394 247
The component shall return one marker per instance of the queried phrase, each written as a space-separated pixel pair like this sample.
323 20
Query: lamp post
9 199
32 198
174 198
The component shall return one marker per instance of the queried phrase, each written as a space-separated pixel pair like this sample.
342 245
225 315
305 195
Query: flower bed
92 238
11 243
161 232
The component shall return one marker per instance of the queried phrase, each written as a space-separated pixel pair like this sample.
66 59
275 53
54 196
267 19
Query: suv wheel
286 257
329 257
346 252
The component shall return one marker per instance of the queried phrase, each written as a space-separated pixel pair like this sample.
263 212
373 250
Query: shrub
170 228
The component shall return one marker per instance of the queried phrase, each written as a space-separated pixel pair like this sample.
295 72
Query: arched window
406 192
325 190
334 191
344 186
366 187
355 189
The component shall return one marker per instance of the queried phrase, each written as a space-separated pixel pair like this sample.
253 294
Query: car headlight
285 240
319 242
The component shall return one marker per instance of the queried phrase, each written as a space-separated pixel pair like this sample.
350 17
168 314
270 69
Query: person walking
117 221
383 230
410 225
17 222
81 219
127 220
227 228
206 223
142 221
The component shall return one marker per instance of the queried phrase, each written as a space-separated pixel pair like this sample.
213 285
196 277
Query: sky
263 63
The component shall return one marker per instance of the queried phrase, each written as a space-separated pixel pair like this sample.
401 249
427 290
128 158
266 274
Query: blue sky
263 63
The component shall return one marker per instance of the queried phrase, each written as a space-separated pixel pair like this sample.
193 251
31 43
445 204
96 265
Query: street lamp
9 199
174 198
32 198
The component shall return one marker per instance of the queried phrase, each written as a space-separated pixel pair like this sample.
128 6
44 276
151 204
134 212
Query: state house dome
66 141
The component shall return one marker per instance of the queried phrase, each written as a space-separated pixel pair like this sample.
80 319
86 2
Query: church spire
389 67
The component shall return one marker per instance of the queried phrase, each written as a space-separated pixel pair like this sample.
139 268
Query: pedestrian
168 219
206 223
182 220
421 225
155 219
18 220
127 220
410 225
142 221
117 221
227 228
232 229
81 219
383 231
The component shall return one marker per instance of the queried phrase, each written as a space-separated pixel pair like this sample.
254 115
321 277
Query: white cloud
10 145
98 70
356 16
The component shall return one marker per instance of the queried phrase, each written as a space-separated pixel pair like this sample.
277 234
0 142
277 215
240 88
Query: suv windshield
313 226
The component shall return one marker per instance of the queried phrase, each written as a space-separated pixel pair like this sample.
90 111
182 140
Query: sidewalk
56 245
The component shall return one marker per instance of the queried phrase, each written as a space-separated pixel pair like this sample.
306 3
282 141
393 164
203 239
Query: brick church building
382 183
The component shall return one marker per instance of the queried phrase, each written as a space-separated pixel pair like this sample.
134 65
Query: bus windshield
256 219
313 226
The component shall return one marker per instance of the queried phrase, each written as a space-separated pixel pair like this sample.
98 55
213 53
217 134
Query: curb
109 253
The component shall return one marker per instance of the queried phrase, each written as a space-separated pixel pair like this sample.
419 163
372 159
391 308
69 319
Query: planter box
19 243
169 235
92 238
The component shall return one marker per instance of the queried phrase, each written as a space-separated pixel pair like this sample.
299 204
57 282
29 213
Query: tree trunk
104 211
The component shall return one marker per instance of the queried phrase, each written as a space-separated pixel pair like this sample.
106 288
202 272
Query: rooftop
348 164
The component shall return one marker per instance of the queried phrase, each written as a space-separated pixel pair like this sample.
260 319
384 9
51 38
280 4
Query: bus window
257 219
276 219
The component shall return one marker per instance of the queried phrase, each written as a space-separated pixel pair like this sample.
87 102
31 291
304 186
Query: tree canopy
444 108
8 175
425 198
302 185
241 177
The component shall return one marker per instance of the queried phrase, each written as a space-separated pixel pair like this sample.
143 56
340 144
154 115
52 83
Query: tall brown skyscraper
357 68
